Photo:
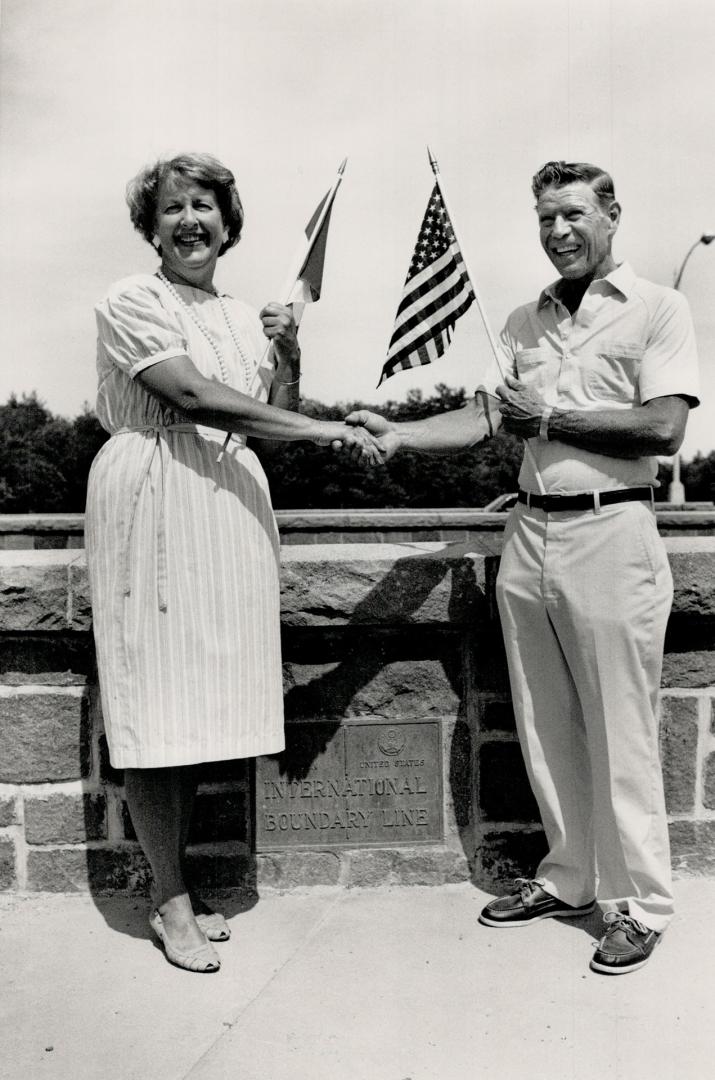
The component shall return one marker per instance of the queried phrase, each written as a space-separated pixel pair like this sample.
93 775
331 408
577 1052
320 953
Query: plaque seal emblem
391 742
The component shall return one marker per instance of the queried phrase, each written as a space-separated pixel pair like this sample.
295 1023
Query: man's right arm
445 433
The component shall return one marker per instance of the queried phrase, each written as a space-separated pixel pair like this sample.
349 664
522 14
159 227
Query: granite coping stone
331 584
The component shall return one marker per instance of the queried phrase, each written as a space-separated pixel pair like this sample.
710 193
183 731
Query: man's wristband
290 382
544 424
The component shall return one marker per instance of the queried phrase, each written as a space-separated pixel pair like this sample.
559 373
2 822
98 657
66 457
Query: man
602 373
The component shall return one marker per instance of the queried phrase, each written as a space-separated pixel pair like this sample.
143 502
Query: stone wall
383 644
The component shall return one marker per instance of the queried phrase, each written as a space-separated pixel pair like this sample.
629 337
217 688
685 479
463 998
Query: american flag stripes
436 292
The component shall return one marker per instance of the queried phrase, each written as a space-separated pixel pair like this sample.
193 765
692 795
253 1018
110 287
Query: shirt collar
622 280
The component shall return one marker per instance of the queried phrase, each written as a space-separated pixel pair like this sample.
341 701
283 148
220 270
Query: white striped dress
183 552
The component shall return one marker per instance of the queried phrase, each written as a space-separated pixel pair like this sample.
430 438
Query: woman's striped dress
182 552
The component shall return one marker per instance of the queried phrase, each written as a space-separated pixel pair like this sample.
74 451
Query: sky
282 91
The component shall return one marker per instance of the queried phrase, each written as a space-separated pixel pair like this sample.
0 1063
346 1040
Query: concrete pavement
383 984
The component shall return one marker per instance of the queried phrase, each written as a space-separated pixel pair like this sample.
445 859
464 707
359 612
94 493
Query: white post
676 490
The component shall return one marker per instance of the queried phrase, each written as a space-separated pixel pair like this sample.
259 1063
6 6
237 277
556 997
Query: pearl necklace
246 365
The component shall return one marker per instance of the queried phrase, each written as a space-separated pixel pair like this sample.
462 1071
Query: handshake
364 437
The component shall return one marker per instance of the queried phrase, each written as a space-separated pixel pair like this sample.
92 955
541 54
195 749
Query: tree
45 461
302 475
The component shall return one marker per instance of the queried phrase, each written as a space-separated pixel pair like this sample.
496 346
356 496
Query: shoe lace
525 886
618 920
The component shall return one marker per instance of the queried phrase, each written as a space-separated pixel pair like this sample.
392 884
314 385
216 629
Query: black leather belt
587 500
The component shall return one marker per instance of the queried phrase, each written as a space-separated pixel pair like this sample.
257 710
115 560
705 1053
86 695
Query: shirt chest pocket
532 368
611 373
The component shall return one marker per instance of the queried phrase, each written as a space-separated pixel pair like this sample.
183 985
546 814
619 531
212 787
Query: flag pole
492 340
298 263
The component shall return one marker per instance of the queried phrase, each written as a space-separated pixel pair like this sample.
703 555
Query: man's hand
378 426
280 329
521 408
356 443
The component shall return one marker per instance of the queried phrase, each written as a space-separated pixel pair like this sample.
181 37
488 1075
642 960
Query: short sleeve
670 361
136 331
494 369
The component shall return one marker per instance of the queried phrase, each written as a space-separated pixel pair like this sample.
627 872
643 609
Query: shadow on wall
393 662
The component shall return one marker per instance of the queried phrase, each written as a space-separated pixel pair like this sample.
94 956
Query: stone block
103 871
369 584
285 870
79 607
371 682
488 672
8 811
497 716
693 567
235 772
368 867
226 868
8 873
678 751
502 856
504 789
43 736
689 659
712 717
218 816
709 782
55 659
692 848
65 819
33 591
689 670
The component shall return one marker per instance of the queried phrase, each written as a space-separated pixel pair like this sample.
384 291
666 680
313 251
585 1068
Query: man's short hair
560 173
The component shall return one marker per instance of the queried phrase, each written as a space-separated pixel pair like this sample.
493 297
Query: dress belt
586 500
159 433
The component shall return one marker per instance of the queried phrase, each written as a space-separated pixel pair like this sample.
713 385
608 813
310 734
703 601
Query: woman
182 548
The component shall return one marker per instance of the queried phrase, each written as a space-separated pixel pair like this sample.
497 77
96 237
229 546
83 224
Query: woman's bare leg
157 800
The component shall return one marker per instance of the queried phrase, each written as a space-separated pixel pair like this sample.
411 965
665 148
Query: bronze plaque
355 785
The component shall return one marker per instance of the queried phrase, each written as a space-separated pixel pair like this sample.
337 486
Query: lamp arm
679 275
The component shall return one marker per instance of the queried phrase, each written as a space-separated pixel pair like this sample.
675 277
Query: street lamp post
676 491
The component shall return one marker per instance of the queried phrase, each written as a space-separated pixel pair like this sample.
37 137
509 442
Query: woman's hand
521 408
357 443
378 426
280 329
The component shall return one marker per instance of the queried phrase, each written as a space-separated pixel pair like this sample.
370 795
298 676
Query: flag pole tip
341 170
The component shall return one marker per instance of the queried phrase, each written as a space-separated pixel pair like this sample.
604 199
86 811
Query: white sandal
204 959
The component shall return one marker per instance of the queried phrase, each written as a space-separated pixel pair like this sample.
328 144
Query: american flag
437 291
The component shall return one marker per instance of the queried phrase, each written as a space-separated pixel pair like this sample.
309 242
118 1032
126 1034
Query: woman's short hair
560 173
143 192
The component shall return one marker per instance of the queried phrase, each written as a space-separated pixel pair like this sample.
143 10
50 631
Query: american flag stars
434 237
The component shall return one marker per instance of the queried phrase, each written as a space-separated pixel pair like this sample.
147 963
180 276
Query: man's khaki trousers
584 599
